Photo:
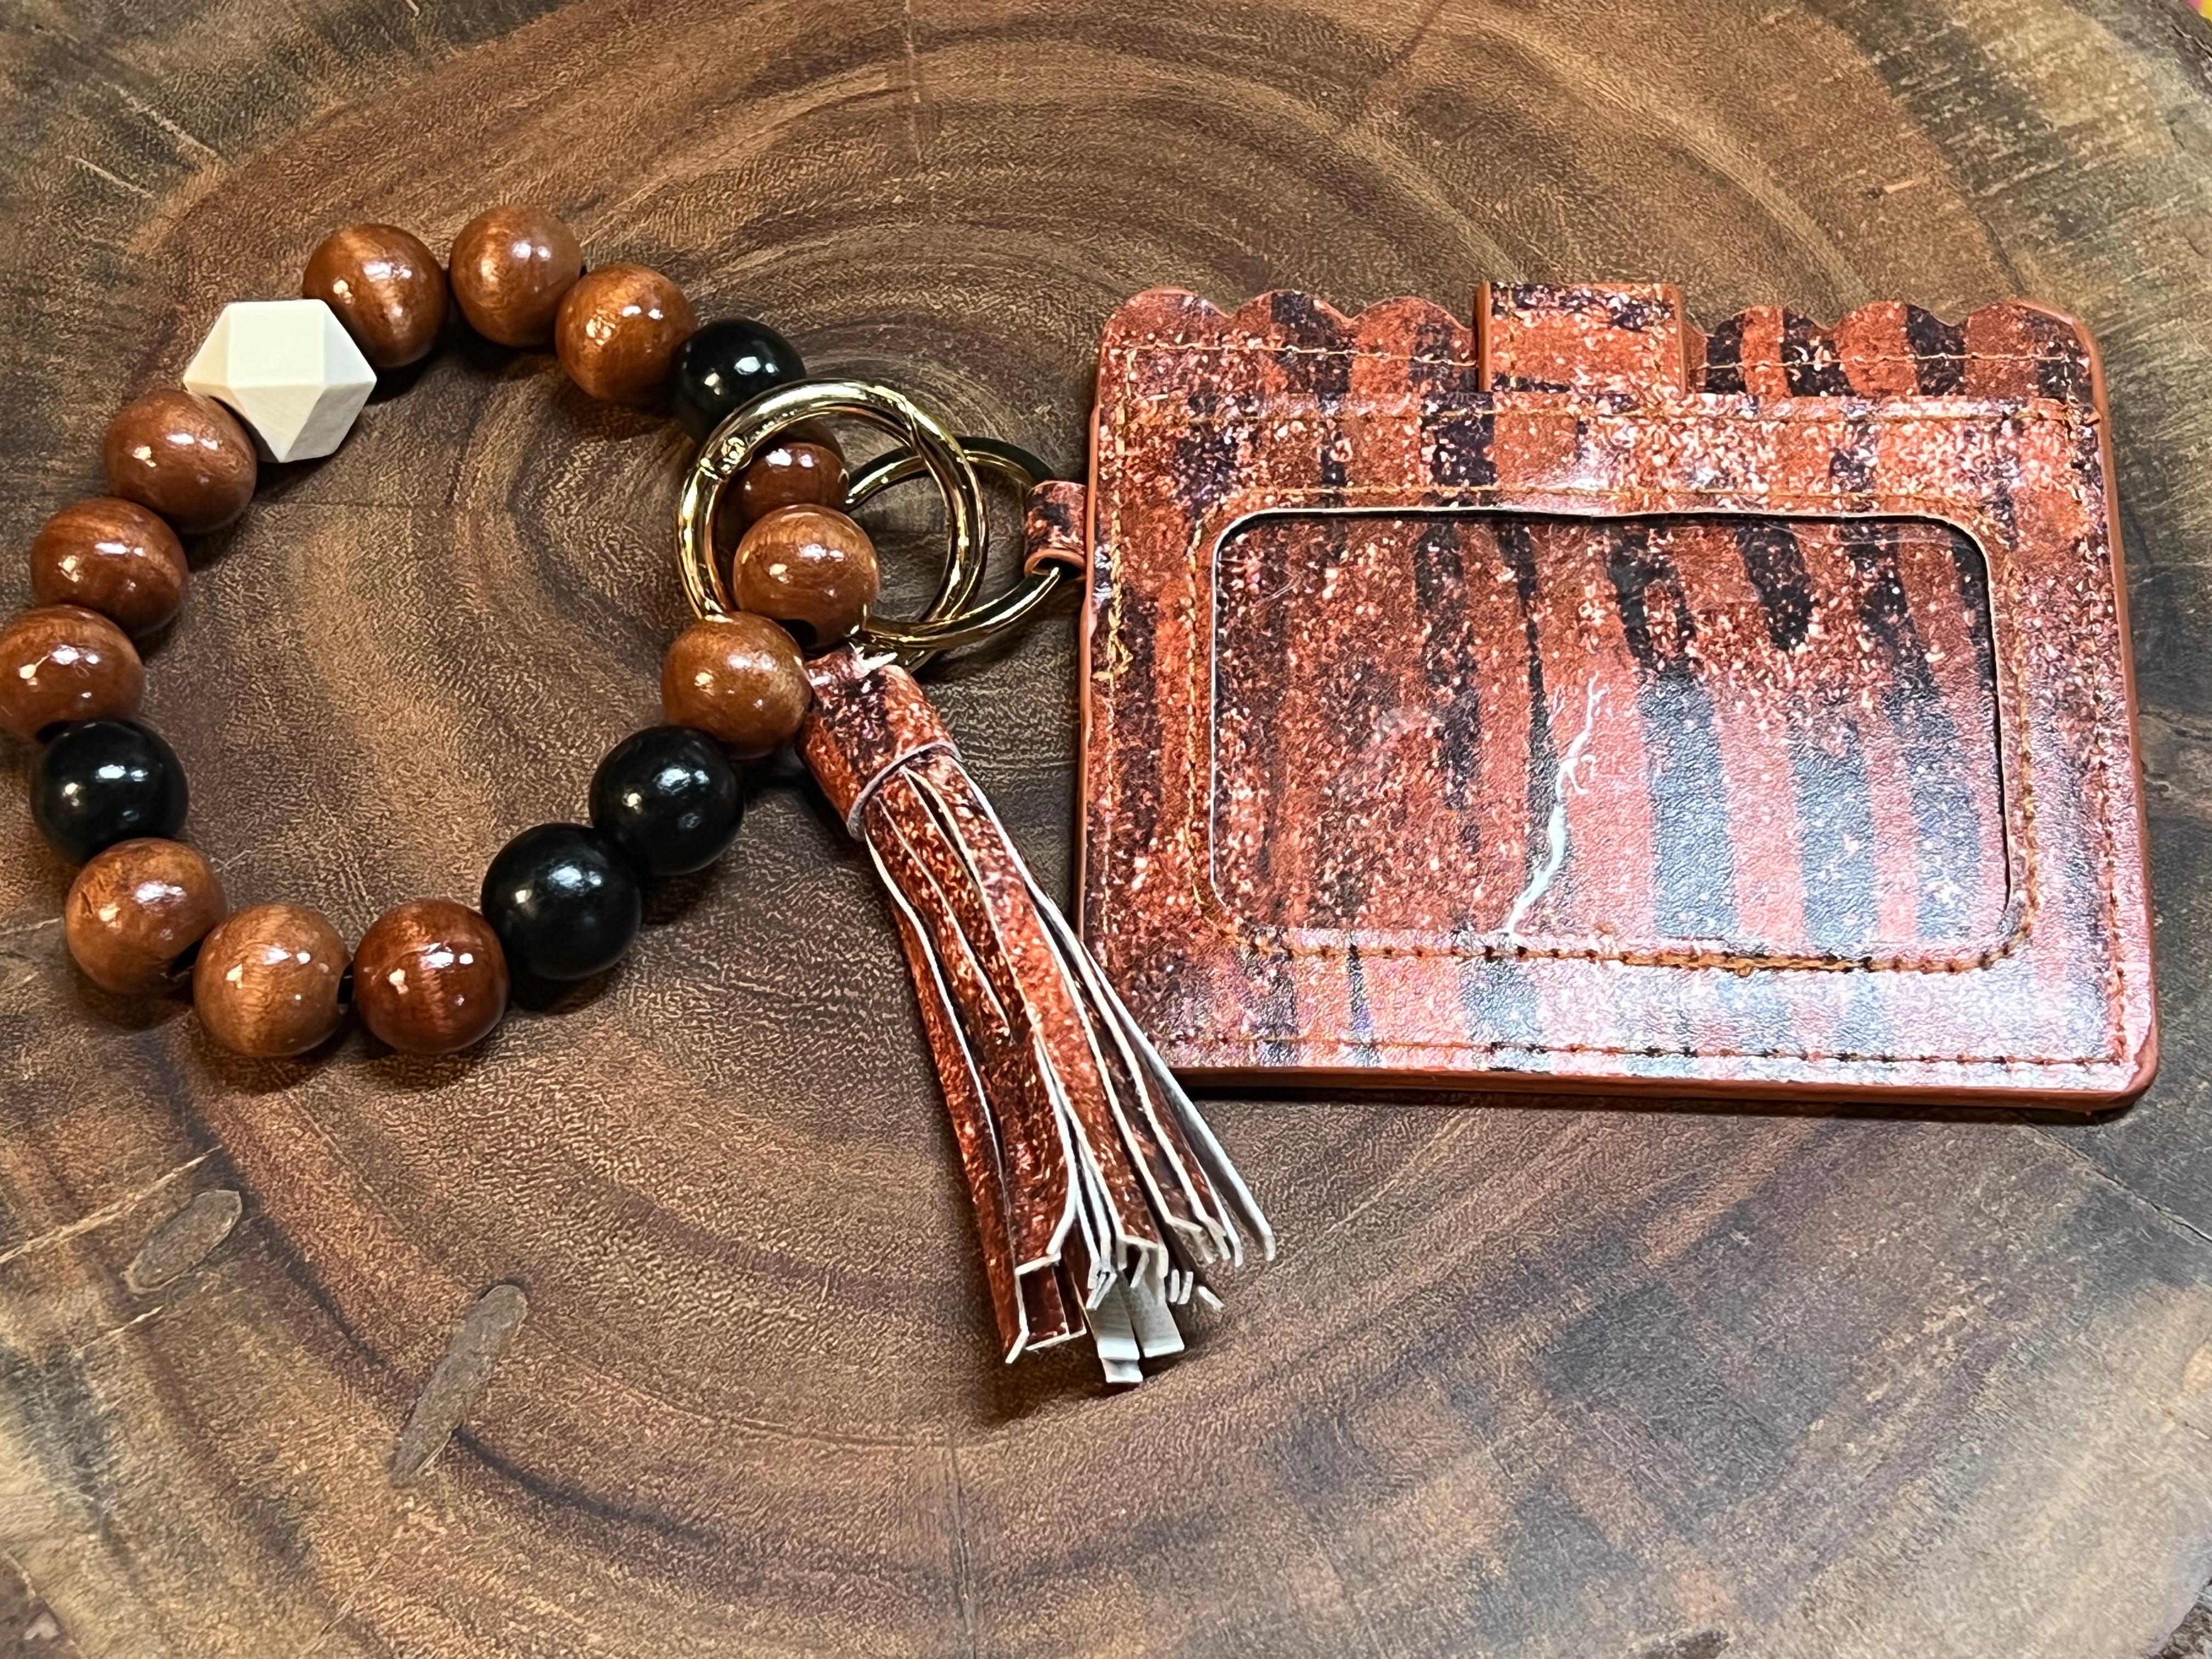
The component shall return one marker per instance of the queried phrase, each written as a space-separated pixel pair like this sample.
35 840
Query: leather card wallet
1580 702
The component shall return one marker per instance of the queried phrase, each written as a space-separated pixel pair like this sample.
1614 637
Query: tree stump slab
657 1327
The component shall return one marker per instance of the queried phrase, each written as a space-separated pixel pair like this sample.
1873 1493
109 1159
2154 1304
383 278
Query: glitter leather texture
1576 701
1102 1200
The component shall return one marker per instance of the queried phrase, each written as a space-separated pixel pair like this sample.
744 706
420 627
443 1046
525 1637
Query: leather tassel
1103 1199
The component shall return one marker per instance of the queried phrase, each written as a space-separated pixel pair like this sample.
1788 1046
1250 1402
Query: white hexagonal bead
289 369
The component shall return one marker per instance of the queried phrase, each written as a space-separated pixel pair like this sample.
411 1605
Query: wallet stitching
1251 937
2115 973
1655 1051
1850 411
1185 348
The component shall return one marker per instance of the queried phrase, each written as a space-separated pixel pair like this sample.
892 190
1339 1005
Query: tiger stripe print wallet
1577 701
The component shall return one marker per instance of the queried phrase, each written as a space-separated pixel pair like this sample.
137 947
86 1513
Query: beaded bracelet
560 902
1101 1198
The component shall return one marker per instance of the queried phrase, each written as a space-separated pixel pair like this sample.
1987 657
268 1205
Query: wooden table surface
1531 1379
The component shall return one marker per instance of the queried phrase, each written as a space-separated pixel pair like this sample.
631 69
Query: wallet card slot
1770 736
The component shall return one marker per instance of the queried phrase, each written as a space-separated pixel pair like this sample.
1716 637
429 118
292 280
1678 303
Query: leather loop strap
1053 531
865 726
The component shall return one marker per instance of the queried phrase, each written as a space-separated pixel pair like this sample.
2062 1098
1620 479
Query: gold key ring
733 445
977 622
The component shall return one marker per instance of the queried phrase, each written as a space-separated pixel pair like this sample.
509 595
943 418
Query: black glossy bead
564 903
668 798
724 364
102 782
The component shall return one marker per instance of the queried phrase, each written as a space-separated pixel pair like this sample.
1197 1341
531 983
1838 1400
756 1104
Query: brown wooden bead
136 909
793 473
429 977
113 557
267 980
510 267
737 678
618 328
807 564
185 456
385 287
63 662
